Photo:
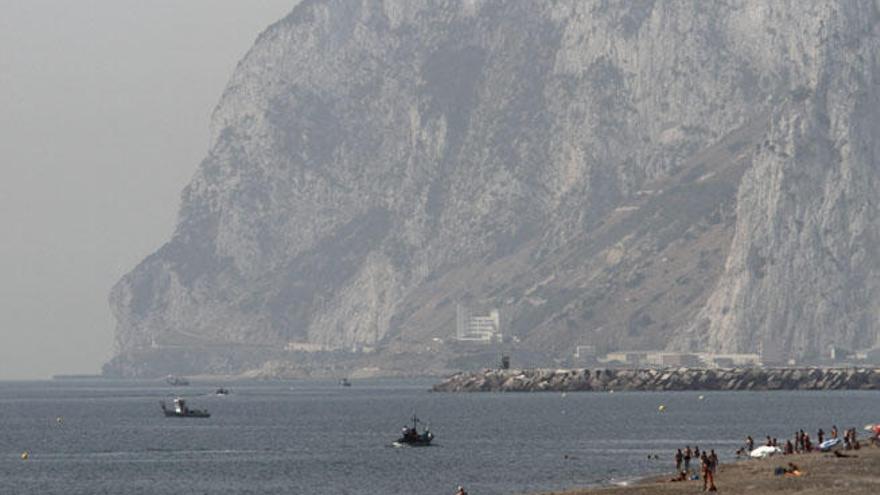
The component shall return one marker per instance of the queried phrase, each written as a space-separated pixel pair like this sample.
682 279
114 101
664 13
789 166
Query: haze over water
319 438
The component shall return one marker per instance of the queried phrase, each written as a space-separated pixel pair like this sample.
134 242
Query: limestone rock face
683 174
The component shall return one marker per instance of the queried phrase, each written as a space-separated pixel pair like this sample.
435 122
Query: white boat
764 452
830 444
180 409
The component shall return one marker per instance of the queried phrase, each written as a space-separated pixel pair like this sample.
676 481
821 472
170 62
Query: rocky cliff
678 174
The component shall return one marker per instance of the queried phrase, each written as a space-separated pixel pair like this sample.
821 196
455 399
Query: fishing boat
344 382
410 437
222 391
181 410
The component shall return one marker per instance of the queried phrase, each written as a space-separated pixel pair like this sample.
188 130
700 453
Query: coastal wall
600 380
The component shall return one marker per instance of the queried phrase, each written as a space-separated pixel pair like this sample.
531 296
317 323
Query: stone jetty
602 380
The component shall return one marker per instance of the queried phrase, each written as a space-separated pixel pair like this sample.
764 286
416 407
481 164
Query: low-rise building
669 359
306 347
628 358
585 353
673 359
731 360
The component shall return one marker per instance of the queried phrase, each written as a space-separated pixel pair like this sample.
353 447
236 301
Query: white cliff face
802 270
373 161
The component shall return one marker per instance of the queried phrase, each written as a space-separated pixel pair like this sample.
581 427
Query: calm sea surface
319 438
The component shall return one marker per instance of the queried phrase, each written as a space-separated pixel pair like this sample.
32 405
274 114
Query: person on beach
834 431
682 476
849 439
687 458
769 441
696 451
788 449
708 475
854 440
678 458
460 491
808 445
713 458
820 435
750 443
792 469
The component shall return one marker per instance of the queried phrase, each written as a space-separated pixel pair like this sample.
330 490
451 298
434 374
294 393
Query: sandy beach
823 473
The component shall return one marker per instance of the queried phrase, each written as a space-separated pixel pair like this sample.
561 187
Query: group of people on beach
802 443
708 466
708 461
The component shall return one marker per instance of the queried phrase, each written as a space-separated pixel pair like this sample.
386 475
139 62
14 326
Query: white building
585 352
306 347
477 328
731 360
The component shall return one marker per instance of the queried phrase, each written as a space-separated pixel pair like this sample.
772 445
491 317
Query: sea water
314 437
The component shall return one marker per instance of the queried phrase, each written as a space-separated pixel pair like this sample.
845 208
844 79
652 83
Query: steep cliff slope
697 175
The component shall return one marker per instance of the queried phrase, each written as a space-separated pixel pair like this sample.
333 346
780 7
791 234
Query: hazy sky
104 108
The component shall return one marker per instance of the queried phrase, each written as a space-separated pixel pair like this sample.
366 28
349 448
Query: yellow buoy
661 408
25 455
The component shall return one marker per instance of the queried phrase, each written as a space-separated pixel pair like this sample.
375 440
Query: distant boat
410 437
176 381
222 391
344 382
181 410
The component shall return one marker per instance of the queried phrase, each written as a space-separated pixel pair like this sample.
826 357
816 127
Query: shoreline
823 474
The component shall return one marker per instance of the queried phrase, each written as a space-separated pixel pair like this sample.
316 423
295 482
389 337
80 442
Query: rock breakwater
601 380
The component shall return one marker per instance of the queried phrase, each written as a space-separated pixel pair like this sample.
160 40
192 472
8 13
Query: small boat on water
181 410
176 381
222 391
344 382
410 437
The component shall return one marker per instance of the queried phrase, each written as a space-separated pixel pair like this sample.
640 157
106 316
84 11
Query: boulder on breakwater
601 380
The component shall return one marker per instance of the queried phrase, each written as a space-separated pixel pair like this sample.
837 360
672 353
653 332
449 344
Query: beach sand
823 474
